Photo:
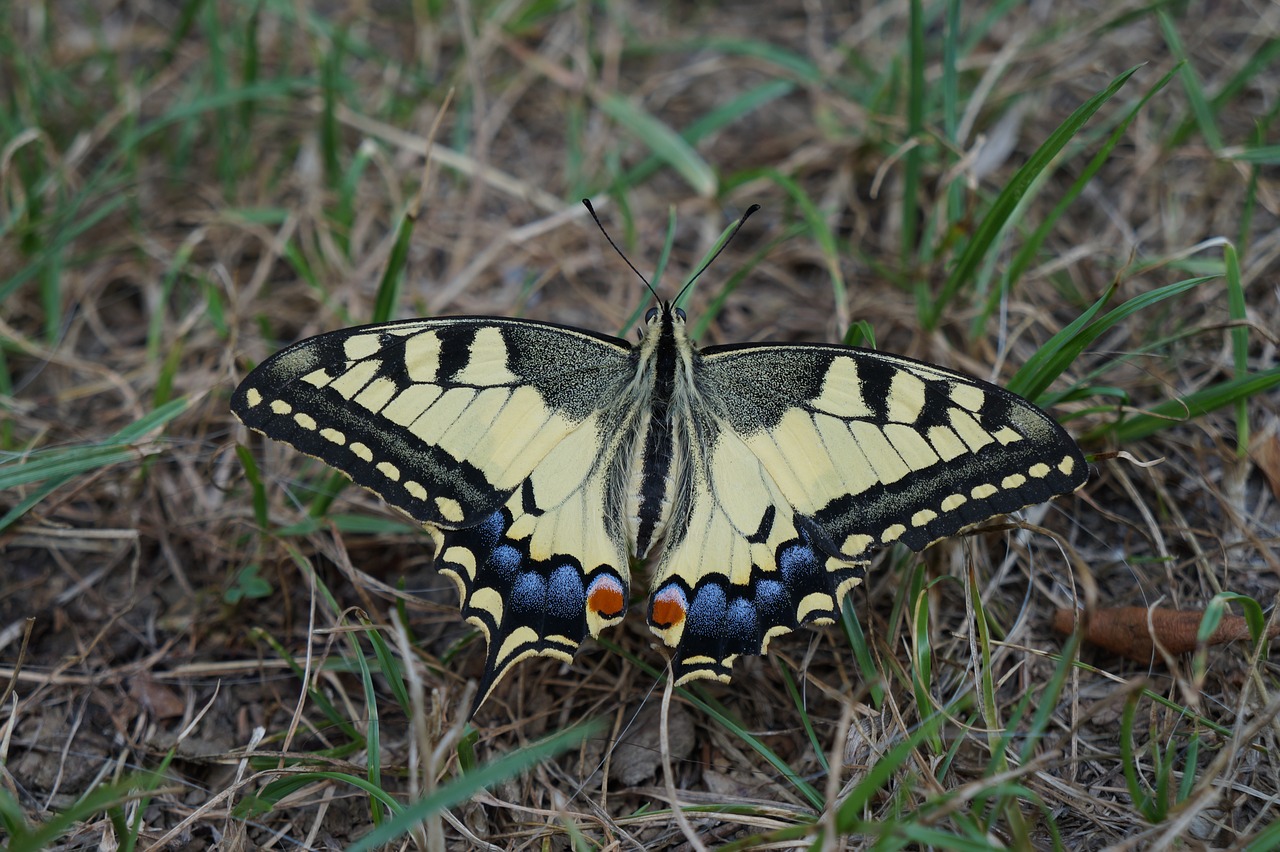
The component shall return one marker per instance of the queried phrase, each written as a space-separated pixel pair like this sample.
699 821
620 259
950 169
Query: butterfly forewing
877 448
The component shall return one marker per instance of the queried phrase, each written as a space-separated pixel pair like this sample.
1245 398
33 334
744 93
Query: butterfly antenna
736 228
586 202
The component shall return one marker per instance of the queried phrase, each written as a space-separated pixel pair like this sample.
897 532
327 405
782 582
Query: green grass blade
464 787
1047 703
817 227
1139 791
991 709
993 224
717 119
1236 306
797 700
913 160
63 464
315 696
254 476
219 80
922 650
724 718
1266 840
1029 250
389 666
716 304
35 838
1245 77
388 297
1063 348
1205 119
664 257
278 789
871 678
849 814
1042 368
330 86
1194 405
951 106
928 837
665 143
80 217
787 62
1254 616
1263 155
250 68
373 717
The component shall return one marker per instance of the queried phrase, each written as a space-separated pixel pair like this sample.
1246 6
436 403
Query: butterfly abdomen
652 456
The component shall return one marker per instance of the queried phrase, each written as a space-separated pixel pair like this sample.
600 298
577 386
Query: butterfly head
664 322
656 315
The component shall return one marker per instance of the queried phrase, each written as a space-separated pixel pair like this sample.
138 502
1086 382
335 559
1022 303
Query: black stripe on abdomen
655 460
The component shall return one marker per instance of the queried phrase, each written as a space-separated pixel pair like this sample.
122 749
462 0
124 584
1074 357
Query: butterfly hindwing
527 602
747 568
489 432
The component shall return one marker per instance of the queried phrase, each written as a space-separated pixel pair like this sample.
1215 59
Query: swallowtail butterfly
761 477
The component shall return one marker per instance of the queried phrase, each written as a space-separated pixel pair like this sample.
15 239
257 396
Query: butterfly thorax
651 451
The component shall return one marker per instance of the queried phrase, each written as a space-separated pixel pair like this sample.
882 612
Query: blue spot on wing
528 597
772 602
505 561
707 609
566 596
718 627
742 627
799 563
488 531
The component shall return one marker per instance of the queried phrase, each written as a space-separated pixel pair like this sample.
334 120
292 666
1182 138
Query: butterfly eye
651 315
680 314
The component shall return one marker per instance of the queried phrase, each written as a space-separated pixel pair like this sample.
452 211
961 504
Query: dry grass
174 208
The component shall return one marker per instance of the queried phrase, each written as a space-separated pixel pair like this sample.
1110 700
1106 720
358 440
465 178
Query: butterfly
761 477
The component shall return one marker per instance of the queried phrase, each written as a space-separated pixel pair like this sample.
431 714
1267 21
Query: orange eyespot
668 608
605 598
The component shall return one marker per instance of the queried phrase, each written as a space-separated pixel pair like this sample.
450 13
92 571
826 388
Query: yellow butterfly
541 458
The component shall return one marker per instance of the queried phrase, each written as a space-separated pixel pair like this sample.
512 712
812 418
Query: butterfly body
760 478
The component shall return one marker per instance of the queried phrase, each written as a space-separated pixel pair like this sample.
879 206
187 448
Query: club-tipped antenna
736 228
586 202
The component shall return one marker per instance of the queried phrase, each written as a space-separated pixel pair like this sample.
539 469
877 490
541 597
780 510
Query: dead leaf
161 701
1264 449
638 756
1126 631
